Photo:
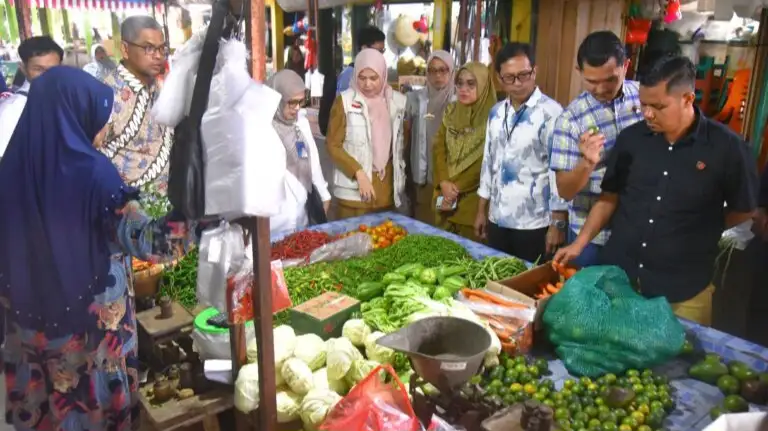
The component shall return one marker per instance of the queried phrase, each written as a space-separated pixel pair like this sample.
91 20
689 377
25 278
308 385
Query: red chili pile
299 245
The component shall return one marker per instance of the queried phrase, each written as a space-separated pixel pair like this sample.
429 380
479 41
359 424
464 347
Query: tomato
388 223
384 243
363 228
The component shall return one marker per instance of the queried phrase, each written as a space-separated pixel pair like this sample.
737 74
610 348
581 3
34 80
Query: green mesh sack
600 325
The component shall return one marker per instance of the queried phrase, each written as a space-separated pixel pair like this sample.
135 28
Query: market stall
684 402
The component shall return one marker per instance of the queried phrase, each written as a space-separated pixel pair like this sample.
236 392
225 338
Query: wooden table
176 414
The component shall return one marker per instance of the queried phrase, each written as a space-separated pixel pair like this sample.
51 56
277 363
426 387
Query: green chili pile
479 272
180 282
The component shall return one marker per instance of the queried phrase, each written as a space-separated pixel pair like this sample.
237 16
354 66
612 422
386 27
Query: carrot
570 272
559 285
542 295
552 289
487 297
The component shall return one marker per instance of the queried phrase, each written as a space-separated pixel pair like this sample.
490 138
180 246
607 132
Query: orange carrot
552 289
569 272
559 285
487 297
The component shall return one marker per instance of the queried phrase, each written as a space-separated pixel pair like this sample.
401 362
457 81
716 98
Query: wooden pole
478 24
256 33
24 19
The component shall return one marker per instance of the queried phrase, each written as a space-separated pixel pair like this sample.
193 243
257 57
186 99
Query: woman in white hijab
425 114
101 64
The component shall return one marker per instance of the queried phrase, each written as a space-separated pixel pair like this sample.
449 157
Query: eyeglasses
521 77
296 103
438 71
151 50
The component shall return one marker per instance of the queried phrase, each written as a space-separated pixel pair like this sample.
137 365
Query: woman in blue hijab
68 225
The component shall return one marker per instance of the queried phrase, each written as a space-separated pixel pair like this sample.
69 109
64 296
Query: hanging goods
186 179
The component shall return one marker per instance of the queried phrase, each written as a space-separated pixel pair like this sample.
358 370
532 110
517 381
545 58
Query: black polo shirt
670 214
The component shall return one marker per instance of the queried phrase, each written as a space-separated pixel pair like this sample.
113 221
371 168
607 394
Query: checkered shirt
582 114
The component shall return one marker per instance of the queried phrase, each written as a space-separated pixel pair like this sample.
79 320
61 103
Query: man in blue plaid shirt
590 124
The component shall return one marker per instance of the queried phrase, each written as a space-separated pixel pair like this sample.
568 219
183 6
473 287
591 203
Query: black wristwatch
560 224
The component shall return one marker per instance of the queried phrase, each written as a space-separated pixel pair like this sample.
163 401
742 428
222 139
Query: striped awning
94 4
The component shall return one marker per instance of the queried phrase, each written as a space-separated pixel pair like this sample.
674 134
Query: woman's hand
326 206
131 210
366 188
449 191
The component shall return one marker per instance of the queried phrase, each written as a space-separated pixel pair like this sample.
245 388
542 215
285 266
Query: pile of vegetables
299 245
548 289
634 401
312 375
385 234
180 282
478 272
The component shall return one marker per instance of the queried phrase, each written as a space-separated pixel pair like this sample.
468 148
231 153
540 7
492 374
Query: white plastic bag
245 158
175 98
216 346
220 248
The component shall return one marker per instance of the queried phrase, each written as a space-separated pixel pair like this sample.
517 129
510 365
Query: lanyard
517 116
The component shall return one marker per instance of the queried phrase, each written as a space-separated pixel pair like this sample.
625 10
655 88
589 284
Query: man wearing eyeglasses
137 145
517 201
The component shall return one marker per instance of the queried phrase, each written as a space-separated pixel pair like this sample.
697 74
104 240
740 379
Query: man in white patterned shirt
517 198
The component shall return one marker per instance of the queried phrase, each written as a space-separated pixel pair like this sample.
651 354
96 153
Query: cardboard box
324 315
524 286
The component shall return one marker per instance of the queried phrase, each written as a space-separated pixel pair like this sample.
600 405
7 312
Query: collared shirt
137 145
515 174
11 107
582 114
671 204
345 78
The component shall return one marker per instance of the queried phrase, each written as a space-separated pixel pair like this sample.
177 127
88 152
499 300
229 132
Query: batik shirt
583 113
138 146
515 176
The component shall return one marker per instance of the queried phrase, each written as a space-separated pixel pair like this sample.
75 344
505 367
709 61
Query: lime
578 424
544 390
660 380
509 399
521 368
549 403
594 424
644 409
547 383
576 408
607 417
495 383
634 380
556 396
633 373
520 360
587 400
620 413
562 414
496 373
644 428
475 380
534 371
580 416
529 388
538 396
524 377
509 364
639 417
647 373
591 411
508 380
638 388
609 426
601 409
569 384
542 364
647 381
629 420
599 401
516 387
585 381
625 427
503 390
491 391
657 406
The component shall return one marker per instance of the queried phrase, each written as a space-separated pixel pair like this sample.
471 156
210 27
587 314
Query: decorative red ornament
310 61
673 11
422 25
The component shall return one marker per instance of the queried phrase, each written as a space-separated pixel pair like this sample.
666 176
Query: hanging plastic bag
220 247
245 158
240 286
175 99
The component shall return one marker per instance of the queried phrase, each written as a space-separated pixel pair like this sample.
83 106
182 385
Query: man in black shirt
672 184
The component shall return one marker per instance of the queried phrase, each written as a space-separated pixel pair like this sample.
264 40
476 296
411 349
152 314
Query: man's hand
760 224
591 145
449 191
567 254
481 225
326 206
366 188
555 238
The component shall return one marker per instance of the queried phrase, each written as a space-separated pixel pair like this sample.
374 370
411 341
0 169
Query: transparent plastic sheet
513 326
379 402
355 245
221 247
240 290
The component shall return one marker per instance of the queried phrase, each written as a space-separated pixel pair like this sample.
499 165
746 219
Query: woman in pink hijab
365 141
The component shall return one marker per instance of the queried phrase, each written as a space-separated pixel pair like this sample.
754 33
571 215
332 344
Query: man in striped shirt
591 123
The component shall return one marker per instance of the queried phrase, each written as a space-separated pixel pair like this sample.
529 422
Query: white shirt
515 176
10 112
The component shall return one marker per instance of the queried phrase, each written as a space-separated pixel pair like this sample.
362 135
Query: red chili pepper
299 245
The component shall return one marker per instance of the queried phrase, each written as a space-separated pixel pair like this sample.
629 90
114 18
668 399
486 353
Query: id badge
301 149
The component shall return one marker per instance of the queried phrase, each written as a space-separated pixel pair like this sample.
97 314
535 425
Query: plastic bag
600 325
373 405
175 98
513 326
240 289
355 245
245 158
220 248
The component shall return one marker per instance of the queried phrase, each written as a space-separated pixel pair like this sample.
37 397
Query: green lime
609 426
562 414
515 387
509 399
538 396
491 391
594 424
716 412
578 424
520 359
639 417
632 373
547 383
580 416
576 408
503 390
549 403
631 421
646 381
607 417
475 380
496 373
569 383
660 379
647 373
534 371
591 411
542 364
644 428
657 406
508 380
638 388
544 390
634 380
496 383
509 364
585 381
524 377
620 413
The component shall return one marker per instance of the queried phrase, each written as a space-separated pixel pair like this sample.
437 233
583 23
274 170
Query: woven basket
147 282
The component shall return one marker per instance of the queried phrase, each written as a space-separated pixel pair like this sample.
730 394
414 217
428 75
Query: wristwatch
560 224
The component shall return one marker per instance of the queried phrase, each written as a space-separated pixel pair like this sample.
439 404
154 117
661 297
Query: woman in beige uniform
365 141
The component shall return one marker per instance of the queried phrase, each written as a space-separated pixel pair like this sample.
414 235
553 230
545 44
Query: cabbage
340 358
288 404
359 370
285 342
376 352
310 348
315 407
356 330
420 315
297 375
322 381
247 388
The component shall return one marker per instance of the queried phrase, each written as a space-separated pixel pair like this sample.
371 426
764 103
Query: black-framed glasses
442 71
522 77
150 50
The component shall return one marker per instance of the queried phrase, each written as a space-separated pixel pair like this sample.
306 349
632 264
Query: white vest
357 143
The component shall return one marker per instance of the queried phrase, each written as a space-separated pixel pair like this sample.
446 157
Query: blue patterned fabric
583 113
515 173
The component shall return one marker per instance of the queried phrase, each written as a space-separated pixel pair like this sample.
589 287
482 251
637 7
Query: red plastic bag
240 289
373 405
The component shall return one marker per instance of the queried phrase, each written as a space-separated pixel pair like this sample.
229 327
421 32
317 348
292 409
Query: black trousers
529 245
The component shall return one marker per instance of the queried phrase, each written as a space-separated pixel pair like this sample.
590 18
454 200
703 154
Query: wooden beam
24 19
520 23
278 40
441 25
